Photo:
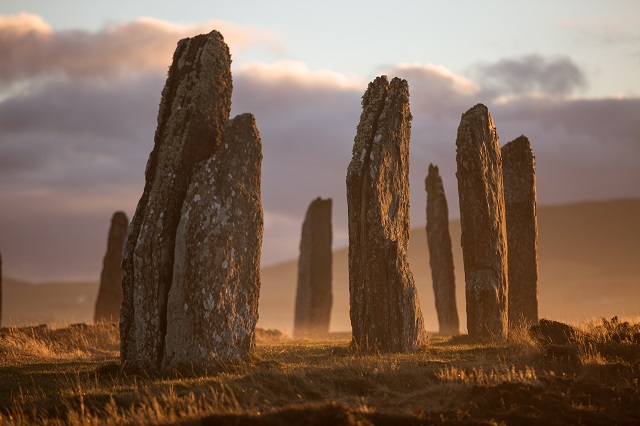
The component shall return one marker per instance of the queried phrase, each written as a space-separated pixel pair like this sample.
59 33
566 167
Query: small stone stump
384 307
314 297
440 254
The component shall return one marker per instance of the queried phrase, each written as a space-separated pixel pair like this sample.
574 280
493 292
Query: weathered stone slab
314 296
384 307
110 292
213 302
482 219
195 105
440 254
519 174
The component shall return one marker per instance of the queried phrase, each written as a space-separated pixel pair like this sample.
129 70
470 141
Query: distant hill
588 258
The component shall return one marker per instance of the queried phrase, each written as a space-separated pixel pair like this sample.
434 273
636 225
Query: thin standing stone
384 306
482 219
519 173
314 297
440 254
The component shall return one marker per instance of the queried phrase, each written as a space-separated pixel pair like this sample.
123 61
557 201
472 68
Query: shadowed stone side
482 219
213 302
110 292
519 173
440 254
384 307
313 296
195 105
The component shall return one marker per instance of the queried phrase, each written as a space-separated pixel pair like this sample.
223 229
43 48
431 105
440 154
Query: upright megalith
482 219
519 173
440 254
213 301
110 292
314 297
384 307
195 106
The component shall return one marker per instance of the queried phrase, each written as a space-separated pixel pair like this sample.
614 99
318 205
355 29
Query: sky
80 85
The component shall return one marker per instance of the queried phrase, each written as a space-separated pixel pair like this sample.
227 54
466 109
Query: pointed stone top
119 218
433 180
320 200
520 146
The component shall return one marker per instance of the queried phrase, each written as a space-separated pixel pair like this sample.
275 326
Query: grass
72 375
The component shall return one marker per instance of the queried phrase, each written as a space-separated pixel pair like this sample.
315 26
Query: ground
588 375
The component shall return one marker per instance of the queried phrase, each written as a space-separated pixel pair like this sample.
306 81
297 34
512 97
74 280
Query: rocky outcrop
212 308
384 307
440 254
482 219
313 296
519 174
110 292
195 106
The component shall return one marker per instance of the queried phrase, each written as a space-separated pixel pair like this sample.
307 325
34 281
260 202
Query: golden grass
72 376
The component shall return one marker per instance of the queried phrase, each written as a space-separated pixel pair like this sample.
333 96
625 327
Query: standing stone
519 173
482 219
213 302
384 307
195 105
313 297
440 254
110 293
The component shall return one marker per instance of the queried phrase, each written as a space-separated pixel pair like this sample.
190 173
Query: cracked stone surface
482 219
314 295
384 306
519 173
110 292
440 254
213 302
195 105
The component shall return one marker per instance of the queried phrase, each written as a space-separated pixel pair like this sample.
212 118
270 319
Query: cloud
531 74
31 49
73 150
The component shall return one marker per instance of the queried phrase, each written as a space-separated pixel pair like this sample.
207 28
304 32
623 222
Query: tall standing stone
519 173
195 105
110 292
314 297
482 219
440 254
213 302
384 307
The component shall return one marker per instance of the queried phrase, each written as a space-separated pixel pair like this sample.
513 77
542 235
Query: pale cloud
299 74
30 49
